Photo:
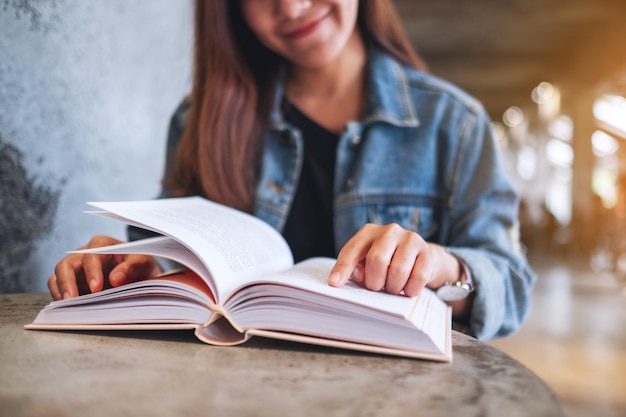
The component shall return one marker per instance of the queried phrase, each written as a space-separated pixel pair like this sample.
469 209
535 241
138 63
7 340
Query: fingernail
334 278
92 285
66 295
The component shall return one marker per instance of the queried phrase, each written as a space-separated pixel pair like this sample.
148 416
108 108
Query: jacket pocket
421 219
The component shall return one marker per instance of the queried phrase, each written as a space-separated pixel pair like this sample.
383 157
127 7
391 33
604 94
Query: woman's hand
83 273
393 259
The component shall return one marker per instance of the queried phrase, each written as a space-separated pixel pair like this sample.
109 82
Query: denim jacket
422 157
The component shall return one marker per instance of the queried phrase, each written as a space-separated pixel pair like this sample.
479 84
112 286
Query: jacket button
356 139
349 183
276 187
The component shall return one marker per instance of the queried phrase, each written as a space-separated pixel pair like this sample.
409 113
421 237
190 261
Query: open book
240 281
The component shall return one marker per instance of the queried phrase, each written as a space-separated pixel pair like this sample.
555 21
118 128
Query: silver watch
454 291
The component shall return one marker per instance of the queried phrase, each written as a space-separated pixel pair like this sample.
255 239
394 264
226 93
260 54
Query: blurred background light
513 116
603 144
527 162
559 153
548 99
543 92
562 128
499 135
610 110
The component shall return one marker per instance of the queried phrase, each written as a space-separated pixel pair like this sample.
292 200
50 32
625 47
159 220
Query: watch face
452 292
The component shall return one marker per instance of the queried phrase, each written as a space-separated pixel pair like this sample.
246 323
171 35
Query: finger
92 267
96 266
53 287
358 274
379 257
66 272
349 257
423 272
133 268
402 262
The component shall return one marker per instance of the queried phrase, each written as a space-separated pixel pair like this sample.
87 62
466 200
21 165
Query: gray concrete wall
86 92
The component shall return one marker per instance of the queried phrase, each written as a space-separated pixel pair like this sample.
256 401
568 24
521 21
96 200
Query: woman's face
308 33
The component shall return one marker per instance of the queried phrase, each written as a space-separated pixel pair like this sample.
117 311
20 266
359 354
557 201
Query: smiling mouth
306 29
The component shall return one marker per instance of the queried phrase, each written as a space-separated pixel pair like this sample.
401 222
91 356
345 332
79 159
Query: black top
309 226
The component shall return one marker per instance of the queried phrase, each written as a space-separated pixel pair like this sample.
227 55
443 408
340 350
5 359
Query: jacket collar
389 92
389 99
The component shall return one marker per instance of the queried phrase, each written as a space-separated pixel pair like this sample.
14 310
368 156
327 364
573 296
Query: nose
292 9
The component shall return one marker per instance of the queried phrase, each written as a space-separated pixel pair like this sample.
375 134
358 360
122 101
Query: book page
299 300
163 247
178 297
234 246
311 276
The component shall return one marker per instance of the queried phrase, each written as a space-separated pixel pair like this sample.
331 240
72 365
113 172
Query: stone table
171 373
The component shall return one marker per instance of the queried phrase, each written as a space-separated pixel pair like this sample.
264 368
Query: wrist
459 284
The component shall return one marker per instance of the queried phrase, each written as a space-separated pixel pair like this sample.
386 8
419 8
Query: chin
316 59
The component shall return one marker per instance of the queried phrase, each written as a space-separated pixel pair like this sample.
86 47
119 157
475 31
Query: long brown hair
233 88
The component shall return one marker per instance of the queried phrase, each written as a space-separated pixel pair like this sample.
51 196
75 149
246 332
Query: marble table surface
171 373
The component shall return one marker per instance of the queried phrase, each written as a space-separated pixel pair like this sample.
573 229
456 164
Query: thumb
133 268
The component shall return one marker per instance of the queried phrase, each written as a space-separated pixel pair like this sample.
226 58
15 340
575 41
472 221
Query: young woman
318 117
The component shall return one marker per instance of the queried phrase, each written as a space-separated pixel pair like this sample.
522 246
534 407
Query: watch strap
462 287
